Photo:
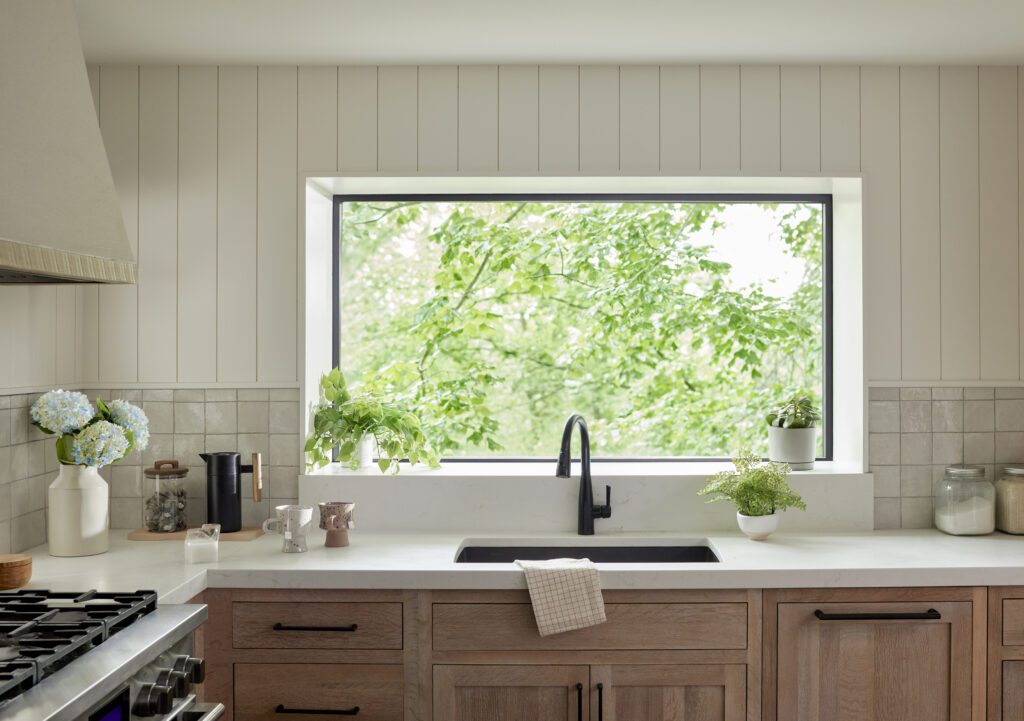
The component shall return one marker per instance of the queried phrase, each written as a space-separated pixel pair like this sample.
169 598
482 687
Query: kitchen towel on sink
566 594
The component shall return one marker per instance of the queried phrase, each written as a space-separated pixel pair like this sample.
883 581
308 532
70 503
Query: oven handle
209 711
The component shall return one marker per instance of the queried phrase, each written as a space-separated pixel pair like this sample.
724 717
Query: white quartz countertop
427 561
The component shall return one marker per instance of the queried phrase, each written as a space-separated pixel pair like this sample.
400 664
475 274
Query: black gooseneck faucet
587 510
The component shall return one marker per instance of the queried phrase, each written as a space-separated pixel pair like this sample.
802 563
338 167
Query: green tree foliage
493 321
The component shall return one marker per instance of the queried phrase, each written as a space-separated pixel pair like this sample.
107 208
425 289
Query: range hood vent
60 220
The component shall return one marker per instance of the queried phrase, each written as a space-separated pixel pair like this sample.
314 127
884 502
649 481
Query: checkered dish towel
566 594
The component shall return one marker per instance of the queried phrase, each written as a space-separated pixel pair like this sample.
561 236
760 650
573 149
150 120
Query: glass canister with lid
164 510
965 502
1010 500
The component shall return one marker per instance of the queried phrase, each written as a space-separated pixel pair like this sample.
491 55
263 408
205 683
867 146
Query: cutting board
141 534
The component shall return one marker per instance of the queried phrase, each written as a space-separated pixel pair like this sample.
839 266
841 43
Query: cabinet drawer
1013 621
317 625
322 690
630 626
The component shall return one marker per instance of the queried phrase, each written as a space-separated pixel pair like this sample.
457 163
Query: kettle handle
257 477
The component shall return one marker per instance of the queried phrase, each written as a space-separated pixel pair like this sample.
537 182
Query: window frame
823 199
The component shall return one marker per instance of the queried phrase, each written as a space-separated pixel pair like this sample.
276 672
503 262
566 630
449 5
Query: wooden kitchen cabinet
668 692
1006 653
511 693
875 655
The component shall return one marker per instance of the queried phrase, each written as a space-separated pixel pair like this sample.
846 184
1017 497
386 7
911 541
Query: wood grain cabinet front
305 691
905 660
511 693
630 626
317 625
668 692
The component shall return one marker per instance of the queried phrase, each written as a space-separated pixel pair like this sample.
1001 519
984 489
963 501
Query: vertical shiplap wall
206 162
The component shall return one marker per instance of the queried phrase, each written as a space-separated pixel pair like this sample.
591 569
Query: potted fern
362 425
793 433
760 490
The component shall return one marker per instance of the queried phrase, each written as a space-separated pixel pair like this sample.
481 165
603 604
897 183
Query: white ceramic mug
292 522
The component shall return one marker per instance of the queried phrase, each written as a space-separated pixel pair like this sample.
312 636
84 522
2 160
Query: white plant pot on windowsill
364 452
758 528
795 446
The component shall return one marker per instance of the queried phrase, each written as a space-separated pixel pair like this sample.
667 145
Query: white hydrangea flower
132 418
62 411
100 444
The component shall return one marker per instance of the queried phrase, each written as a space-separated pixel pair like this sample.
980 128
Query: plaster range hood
60 220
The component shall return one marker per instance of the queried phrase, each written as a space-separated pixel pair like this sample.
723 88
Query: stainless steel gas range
99 657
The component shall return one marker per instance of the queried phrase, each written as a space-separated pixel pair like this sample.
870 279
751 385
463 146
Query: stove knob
153 699
177 681
194 666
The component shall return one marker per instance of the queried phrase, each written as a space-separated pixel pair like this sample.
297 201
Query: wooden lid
12 560
166 469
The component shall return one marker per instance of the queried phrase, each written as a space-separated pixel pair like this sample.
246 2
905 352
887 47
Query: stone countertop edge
426 562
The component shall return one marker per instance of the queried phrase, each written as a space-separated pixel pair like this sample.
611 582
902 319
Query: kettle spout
205 457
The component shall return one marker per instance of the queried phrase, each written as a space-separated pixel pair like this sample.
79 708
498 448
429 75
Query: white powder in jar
974 516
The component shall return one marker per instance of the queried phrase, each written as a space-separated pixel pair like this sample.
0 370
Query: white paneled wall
207 160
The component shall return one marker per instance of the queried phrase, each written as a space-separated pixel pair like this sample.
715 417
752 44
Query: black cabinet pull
319 711
579 702
344 629
600 702
930 615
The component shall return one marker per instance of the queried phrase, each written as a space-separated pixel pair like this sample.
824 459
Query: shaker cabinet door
510 693
874 661
668 693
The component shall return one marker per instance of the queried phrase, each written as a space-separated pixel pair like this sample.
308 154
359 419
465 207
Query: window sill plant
760 491
355 423
87 439
793 433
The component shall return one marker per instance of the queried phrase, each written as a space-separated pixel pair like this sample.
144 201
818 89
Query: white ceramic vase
758 528
79 511
795 446
364 450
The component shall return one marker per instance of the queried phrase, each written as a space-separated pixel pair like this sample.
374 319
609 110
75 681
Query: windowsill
605 470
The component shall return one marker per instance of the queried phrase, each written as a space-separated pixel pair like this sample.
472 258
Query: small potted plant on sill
359 424
793 433
760 491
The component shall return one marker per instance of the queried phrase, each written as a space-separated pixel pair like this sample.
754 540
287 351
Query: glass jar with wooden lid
165 508
1010 500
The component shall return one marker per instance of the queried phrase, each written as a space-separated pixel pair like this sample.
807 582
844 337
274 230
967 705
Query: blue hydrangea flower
131 418
62 411
100 444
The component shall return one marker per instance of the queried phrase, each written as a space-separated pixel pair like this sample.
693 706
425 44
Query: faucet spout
587 510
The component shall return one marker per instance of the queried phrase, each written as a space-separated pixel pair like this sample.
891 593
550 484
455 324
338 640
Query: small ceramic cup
292 522
336 519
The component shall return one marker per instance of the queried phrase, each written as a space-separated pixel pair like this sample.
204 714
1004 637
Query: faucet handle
605 511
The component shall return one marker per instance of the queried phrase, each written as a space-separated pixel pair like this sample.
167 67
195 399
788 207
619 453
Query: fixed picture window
673 324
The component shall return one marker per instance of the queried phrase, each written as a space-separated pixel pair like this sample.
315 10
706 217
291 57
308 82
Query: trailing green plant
756 487
343 419
797 412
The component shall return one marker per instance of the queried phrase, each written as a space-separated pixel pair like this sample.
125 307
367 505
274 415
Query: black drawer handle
344 629
319 711
600 702
579 702
930 615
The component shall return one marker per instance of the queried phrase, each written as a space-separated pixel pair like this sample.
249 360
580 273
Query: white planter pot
758 528
78 513
795 446
364 451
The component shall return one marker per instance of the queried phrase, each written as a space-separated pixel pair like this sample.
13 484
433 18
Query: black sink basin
597 554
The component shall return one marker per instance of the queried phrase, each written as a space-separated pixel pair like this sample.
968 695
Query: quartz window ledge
602 471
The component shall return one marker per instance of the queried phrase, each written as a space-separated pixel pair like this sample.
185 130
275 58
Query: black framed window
672 322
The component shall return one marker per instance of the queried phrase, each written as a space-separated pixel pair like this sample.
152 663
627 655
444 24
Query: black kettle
224 471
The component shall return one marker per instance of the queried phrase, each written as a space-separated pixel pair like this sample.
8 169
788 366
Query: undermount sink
597 554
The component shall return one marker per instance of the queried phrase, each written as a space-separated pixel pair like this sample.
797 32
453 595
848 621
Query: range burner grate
42 631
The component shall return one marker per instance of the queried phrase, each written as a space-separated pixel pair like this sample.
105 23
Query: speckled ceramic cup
336 519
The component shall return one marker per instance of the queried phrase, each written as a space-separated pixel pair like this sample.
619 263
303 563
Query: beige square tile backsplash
183 423
914 433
